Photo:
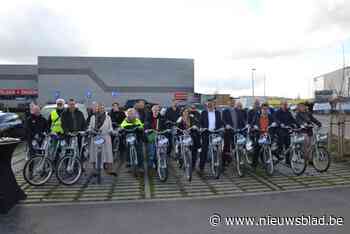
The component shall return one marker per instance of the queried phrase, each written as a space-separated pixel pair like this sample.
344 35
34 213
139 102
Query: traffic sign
114 94
89 94
57 94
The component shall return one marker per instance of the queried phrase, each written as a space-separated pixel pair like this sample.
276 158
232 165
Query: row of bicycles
67 156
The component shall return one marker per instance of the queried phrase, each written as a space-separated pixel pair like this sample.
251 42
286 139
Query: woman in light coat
100 121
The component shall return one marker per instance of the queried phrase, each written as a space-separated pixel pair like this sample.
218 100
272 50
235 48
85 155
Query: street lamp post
253 70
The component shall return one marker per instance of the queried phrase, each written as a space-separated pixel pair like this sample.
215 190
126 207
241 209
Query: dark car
11 125
131 103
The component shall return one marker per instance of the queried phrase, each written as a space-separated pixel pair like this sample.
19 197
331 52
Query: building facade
104 79
337 81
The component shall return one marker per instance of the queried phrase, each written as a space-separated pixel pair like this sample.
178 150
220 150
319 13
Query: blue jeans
151 153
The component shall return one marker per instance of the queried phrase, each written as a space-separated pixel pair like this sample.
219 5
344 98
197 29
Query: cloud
31 30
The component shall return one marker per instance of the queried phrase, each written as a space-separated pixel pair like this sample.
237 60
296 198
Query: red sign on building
18 92
181 96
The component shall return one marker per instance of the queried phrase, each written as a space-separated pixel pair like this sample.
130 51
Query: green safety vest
127 124
56 124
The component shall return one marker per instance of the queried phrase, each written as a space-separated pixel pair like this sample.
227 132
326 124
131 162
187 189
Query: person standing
305 117
102 122
141 110
210 119
261 122
73 120
253 112
55 121
117 115
185 122
230 120
284 118
152 122
172 114
35 124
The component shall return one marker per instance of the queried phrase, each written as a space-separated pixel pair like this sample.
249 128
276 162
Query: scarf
99 120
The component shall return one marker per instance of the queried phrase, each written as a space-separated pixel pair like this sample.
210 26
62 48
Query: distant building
102 79
337 81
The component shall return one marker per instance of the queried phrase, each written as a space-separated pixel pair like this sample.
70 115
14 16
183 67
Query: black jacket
172 115
251 115
67 121
117 117
241 118
35 125
143 114
161 123
307 118
205 120
285 117
196 117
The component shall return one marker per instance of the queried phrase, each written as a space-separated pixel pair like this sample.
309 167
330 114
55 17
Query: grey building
105 79
337 81
18 84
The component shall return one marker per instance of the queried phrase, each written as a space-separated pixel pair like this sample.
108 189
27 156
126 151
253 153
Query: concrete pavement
173 217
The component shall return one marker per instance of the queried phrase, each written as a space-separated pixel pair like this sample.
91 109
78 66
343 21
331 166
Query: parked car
131 103
11 125
46 110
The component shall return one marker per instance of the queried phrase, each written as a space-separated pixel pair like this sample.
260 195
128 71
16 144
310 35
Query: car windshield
6 117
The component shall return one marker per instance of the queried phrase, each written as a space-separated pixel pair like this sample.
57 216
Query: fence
338 127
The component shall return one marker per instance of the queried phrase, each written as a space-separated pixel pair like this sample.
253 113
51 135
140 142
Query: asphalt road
181 216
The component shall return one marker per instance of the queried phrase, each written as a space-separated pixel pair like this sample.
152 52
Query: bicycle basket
264 140
186 140
99 140
241 140
298 139
131 139
322 137
162 141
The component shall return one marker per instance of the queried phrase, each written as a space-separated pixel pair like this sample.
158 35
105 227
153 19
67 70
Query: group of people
66 120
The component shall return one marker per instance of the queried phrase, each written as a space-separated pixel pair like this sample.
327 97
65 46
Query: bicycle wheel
188 164
239 163
216 164
267 158
321 159
116 149
298 162
162 167
69 170
133 160
38 170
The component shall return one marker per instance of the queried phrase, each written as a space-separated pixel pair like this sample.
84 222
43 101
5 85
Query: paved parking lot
127 187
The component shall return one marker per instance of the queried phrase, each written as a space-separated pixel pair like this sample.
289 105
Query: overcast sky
288 42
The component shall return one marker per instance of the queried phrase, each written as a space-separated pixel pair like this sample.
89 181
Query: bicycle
70 166
265 153
161 143
39 169
116 144
34 147
131 142
215 148
320 156
298 163
239 151
183 145
99 142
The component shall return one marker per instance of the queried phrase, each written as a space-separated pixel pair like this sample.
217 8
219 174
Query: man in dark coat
210 119
284 118
117 115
